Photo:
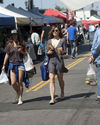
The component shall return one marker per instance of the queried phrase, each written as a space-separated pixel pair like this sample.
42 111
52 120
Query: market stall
6 20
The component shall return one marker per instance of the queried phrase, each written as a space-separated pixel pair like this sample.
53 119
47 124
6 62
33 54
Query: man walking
72 34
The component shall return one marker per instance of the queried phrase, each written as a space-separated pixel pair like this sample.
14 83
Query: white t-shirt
54 42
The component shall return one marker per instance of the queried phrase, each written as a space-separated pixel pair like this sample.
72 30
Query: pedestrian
44 34
15 52
91 33
35 38
72 35
65 35
95 57
56 62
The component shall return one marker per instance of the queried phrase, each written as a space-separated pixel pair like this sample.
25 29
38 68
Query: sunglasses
55 30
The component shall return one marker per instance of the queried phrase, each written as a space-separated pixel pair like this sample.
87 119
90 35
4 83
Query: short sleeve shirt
46 30
72 32
14 55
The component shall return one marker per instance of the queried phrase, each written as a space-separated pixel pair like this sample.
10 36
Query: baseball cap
14 31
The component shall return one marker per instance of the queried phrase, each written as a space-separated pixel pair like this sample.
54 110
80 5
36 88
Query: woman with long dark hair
15 52
56 62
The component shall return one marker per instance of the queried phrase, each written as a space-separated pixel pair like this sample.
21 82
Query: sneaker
73 57
20 102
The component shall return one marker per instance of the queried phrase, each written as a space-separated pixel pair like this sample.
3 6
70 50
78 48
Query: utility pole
30 5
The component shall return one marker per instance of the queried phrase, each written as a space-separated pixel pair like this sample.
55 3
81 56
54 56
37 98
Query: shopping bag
3 77
44 70
28 63
40 49
91 76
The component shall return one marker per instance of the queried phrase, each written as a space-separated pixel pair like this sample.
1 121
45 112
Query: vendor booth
6 20
55 13
35 19
19 19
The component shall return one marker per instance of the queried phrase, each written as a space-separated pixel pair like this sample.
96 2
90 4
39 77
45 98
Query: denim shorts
21 68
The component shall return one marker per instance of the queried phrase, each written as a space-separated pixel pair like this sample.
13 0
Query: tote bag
28 63
44 70
3 77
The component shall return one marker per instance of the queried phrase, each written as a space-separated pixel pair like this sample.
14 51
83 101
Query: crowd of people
64 41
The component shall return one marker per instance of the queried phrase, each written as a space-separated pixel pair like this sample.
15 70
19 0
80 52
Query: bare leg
67 51
20 85
61 83
13 80
52 87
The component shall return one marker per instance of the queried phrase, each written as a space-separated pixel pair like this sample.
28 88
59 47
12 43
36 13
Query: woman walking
56 62
15 52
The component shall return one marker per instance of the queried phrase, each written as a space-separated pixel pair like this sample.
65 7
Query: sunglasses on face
55 30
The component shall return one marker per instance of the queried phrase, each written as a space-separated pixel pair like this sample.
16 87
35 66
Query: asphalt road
77 108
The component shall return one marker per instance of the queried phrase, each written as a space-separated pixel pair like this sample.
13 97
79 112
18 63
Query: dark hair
10 42
51 32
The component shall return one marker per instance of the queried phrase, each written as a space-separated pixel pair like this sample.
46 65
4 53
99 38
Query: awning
19 19
55 13
35 19
77 4
49 19
90 22
6 20
38 20
94 17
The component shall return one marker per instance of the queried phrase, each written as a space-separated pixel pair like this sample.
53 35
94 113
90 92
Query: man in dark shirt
44 34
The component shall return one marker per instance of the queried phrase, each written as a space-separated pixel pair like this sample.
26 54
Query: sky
42 4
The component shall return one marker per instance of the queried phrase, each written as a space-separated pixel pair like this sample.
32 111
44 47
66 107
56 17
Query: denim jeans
45 44
98 81
73 45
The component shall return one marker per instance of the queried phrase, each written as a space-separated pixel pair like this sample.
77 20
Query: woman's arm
5 61
22 50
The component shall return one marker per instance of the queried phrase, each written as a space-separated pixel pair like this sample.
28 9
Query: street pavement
79 107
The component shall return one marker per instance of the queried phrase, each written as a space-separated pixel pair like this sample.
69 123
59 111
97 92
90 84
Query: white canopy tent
77 4
19 19
94 18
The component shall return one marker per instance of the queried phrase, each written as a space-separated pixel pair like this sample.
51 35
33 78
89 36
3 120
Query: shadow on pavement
85 95
46 98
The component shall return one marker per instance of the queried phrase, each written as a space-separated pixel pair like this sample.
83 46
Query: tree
1 1
58 8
